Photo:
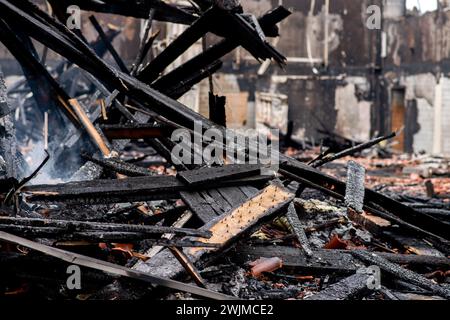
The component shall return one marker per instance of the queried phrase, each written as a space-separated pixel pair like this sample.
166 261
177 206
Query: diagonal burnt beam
119 166
402 273
175 90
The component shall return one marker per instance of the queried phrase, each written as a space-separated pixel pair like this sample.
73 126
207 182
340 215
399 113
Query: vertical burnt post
398 116
217 109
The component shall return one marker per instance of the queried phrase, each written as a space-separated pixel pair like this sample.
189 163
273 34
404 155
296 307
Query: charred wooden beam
353 150
88 262
354 192
145 44
61 235
91 130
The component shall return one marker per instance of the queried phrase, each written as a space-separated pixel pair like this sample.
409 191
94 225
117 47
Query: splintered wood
244 217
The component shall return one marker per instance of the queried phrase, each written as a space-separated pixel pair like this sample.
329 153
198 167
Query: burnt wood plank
85 261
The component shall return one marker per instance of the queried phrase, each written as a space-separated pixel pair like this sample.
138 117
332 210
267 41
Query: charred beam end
402 273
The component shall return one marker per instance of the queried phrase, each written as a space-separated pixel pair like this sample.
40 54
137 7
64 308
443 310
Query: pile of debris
137 218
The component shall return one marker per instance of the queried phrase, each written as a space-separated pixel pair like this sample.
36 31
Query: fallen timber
185 116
